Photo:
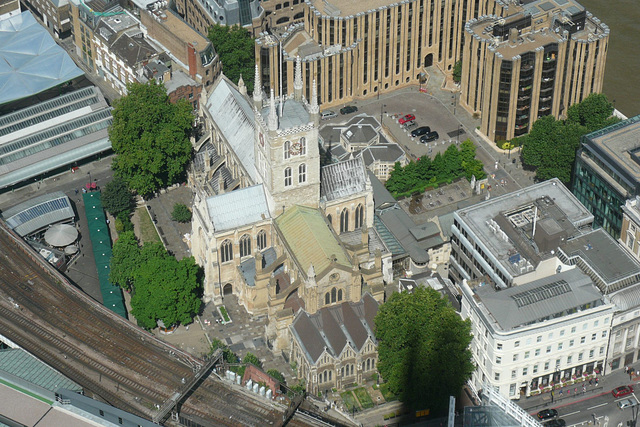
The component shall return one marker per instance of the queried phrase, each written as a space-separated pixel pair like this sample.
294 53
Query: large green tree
150 136
124 260
423 349
236 49
116 196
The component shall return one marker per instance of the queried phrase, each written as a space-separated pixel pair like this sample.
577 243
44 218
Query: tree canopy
236 49
181 213
423 349
551 145
454 163
116 196
150 136
163 288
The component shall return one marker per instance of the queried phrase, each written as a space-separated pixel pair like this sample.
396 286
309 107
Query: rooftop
20 364
238 208
390 153
294 114
37 213
30 60
347 8
343 179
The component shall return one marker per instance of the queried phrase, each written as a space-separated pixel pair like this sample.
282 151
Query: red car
622 391
407 118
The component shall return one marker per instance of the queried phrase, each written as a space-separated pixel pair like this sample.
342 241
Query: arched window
245 245
262 240
342 371
330 375
226 251
333 295
287 150
359 216
368 364
344 220
325 376
303 146
302 173
327 299
287 177
339 294
330 219
363 365
352 366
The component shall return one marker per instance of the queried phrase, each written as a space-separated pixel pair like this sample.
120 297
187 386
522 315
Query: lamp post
382 107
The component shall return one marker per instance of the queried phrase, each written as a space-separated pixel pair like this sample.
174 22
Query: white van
326 115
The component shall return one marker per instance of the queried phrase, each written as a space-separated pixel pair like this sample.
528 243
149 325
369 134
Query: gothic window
352 369
287 150
303 146
302 173
287 177
330 219
330 375
327 299
339 294
226 251
262 240
359 216
368 364
245 245
344 220
333 295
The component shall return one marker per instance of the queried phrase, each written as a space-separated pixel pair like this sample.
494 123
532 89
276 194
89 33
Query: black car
429 136
420 131
348 109
556 423
547 414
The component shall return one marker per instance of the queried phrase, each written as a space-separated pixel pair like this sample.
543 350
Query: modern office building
202 14
607 172
535 59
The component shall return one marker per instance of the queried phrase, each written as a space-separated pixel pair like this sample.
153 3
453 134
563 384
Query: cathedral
270 226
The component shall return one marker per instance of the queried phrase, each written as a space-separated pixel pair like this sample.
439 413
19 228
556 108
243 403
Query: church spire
297 82
273 116
257 90
314 110
241 86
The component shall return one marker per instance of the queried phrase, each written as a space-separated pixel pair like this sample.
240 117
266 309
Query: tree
594 112
181 213
228 355
236 49
253 359
124 260
457 71
423 349
116 196
150 136
277 375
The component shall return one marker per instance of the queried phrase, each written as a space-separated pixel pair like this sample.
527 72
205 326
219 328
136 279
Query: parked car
348 109
556 423
326 115
406 118
626 403
429 136
420 131
547 414
622 391
409 125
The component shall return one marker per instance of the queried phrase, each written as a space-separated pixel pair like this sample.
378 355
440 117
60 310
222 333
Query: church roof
335 327
234 116
343 179
310 240
238 208
294 114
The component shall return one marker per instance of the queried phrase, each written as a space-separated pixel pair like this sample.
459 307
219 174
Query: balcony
526 67
545 99
525 89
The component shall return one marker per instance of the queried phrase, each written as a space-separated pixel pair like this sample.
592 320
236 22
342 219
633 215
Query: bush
181 213
123 222
363 398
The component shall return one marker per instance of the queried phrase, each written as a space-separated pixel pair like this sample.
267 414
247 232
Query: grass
224 313
363 398
349 400
388 396
148 232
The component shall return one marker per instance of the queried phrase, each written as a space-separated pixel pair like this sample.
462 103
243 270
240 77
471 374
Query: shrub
181 213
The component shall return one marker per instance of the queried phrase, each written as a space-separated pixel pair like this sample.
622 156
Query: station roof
30 60
18 363
37 213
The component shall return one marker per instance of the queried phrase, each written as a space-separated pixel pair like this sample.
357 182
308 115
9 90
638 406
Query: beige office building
537 60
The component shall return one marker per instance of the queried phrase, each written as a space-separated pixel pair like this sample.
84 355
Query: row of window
226 248
302 175
346 370
344 219
549 348
585 326
298 148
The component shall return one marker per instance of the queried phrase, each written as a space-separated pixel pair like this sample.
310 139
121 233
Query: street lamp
383 106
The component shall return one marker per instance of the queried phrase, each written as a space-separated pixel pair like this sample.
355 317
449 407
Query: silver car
626 403
326 115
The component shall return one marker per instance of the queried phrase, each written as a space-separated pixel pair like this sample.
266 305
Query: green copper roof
311 241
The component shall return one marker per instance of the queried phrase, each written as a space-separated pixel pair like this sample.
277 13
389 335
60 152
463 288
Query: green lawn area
388 396
148 232
363 398
349 400
224 313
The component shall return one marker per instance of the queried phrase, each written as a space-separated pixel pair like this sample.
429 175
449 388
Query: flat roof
39 212
347 7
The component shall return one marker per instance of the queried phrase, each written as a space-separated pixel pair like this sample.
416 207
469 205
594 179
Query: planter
535 392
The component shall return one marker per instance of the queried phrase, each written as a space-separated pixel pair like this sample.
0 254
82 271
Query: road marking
597 406
572 413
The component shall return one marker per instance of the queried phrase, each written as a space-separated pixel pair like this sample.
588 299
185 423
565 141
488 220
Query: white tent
60 235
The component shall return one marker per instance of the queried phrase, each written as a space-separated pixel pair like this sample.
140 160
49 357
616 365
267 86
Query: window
516 344
548 349
571 343
591 354
287 150
339 294
262 240
119 420
535 369
499 346
513 374
537 353
287 177
245 245
601 350
524 371
585 326
559 346
539 339
604 334
303 146
101 413
327 299
582 340
580 357
498 360
526 354
593 337
359 217
344 220
569 360
333 295
515 357
562 333
596 323
512 389
497 376
330 219
226 251
573 330
546 366
302 173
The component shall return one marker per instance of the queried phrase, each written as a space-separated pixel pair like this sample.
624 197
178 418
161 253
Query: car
326 115
429 136
420 131
348 109
409 125
556 423
626 403
406 118
547 414
622 391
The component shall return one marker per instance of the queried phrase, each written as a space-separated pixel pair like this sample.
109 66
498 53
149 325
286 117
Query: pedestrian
596 381
575 390
560 392
584 389
76 191
568 391
626 369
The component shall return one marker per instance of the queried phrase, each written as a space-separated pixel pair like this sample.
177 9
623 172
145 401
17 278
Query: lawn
388 396
224 313
363 398
349 400
148 232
